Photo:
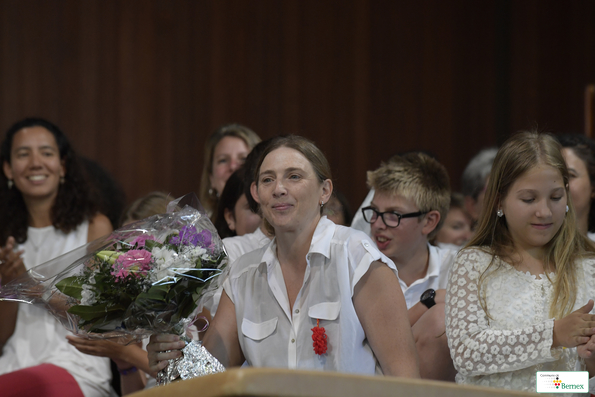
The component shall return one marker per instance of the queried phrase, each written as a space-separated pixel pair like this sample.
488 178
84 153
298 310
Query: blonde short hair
417 177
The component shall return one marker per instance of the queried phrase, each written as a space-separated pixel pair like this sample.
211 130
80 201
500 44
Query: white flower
92 277
205 257
164 259
196 252
88 296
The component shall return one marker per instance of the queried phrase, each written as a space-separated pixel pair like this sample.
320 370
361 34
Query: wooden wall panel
138 85
553 59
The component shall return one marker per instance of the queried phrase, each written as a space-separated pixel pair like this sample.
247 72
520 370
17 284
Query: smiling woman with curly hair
45 211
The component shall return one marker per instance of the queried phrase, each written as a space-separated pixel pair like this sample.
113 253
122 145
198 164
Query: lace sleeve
477 346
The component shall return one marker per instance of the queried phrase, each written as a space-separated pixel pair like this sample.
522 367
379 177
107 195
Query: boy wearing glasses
411 200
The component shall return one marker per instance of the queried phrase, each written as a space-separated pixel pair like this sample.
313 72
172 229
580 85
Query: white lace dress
508 349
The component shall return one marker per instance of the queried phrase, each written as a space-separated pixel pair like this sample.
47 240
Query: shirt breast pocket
258 331
325 311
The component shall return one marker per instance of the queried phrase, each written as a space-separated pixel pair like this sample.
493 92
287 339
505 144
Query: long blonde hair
519 154
207 199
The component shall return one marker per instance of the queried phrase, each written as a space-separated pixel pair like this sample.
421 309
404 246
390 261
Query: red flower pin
319 337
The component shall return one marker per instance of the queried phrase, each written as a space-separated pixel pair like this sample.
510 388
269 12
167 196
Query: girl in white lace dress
519 296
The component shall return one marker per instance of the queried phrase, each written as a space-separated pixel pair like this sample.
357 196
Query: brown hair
518 155
417 177
209 201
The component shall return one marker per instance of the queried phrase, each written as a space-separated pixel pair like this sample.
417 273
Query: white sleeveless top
271 335
38 337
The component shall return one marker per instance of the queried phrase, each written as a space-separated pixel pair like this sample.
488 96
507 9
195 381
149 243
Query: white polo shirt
440 262
272 336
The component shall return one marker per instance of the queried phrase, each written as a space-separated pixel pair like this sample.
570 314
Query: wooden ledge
269 382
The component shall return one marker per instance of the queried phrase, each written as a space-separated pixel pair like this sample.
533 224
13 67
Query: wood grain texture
138 85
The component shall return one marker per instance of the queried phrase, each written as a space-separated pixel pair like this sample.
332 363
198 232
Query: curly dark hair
73 203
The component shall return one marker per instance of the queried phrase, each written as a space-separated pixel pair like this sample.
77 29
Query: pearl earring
10 183
321 203
567 209
499 213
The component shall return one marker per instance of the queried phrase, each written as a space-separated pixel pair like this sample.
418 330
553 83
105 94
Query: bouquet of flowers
150 276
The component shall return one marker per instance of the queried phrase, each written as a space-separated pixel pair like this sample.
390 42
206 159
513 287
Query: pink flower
136 262
140 240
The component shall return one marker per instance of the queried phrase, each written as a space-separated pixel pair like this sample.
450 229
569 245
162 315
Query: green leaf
102 324
156 292
90 313
150 244
187 306
71 286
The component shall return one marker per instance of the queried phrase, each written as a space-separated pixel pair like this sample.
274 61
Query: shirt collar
260 236
323 234
321 241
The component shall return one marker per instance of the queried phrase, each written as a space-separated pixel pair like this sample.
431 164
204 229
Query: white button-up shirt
239 245
273 336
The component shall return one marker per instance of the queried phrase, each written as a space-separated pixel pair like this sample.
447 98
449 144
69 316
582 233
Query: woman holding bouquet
314 279
45 211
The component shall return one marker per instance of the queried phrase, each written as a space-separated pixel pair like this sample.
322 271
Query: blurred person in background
109 194
224 152
337 209
457 227
579 154
234 216
474 180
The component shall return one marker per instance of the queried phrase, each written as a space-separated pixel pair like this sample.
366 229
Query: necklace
32 243
36 245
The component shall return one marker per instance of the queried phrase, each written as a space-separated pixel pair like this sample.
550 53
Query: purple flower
204 239
189 236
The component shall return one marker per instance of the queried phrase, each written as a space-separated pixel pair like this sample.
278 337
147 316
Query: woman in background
45 211
579 154
224 152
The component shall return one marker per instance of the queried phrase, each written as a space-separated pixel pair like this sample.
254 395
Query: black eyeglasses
390 218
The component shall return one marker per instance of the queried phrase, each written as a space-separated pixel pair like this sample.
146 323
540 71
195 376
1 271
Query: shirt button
293 341
297 311
365 244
